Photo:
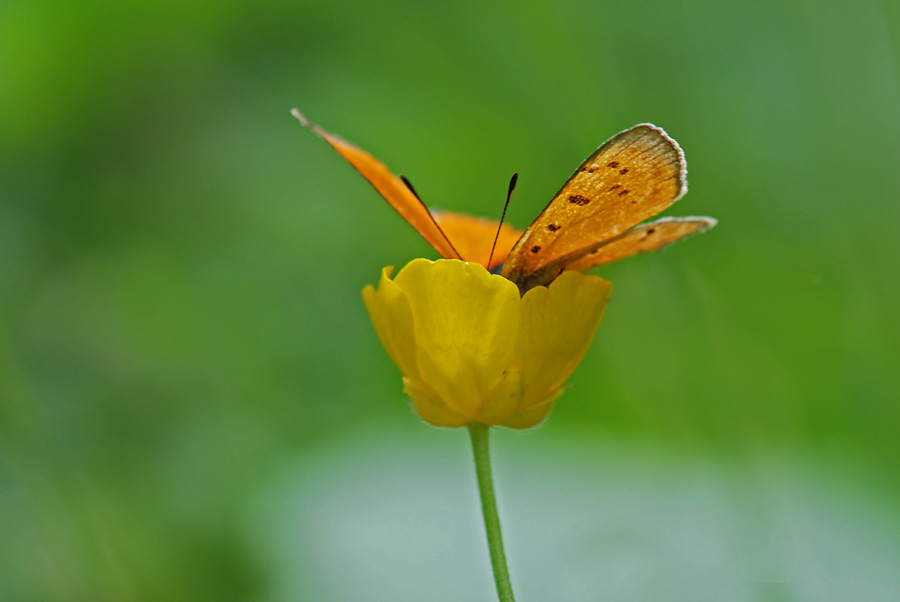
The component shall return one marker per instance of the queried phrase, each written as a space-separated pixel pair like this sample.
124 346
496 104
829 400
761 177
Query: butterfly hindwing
644 238
473 237
631 177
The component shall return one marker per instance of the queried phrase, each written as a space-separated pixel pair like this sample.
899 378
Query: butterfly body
592 220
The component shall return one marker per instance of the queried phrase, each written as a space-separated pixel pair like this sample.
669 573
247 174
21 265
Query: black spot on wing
579 200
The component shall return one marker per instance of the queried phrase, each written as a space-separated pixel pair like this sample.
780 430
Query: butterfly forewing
631 177
390 186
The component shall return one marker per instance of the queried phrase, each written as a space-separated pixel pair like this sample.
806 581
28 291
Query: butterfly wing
644 238
390 186
631 177
474 236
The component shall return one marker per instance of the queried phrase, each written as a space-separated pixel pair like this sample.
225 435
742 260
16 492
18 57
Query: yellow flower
472 350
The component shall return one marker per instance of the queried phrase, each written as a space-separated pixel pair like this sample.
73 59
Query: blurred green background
193 405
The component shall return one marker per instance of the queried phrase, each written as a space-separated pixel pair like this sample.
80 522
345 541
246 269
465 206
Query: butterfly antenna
509 192
410 186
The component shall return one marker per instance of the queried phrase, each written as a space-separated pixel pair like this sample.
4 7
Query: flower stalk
481 451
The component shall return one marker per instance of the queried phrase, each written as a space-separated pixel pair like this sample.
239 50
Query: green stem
482 454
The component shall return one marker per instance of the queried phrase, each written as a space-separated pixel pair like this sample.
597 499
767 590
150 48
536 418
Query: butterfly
594 219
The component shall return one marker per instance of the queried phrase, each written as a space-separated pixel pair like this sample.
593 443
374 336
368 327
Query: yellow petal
393 321
534 415
558 323
504 400
430 407
466 321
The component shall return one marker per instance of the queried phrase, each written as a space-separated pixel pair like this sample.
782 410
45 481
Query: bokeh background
193 405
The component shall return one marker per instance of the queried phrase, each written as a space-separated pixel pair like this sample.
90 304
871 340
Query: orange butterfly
591 221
